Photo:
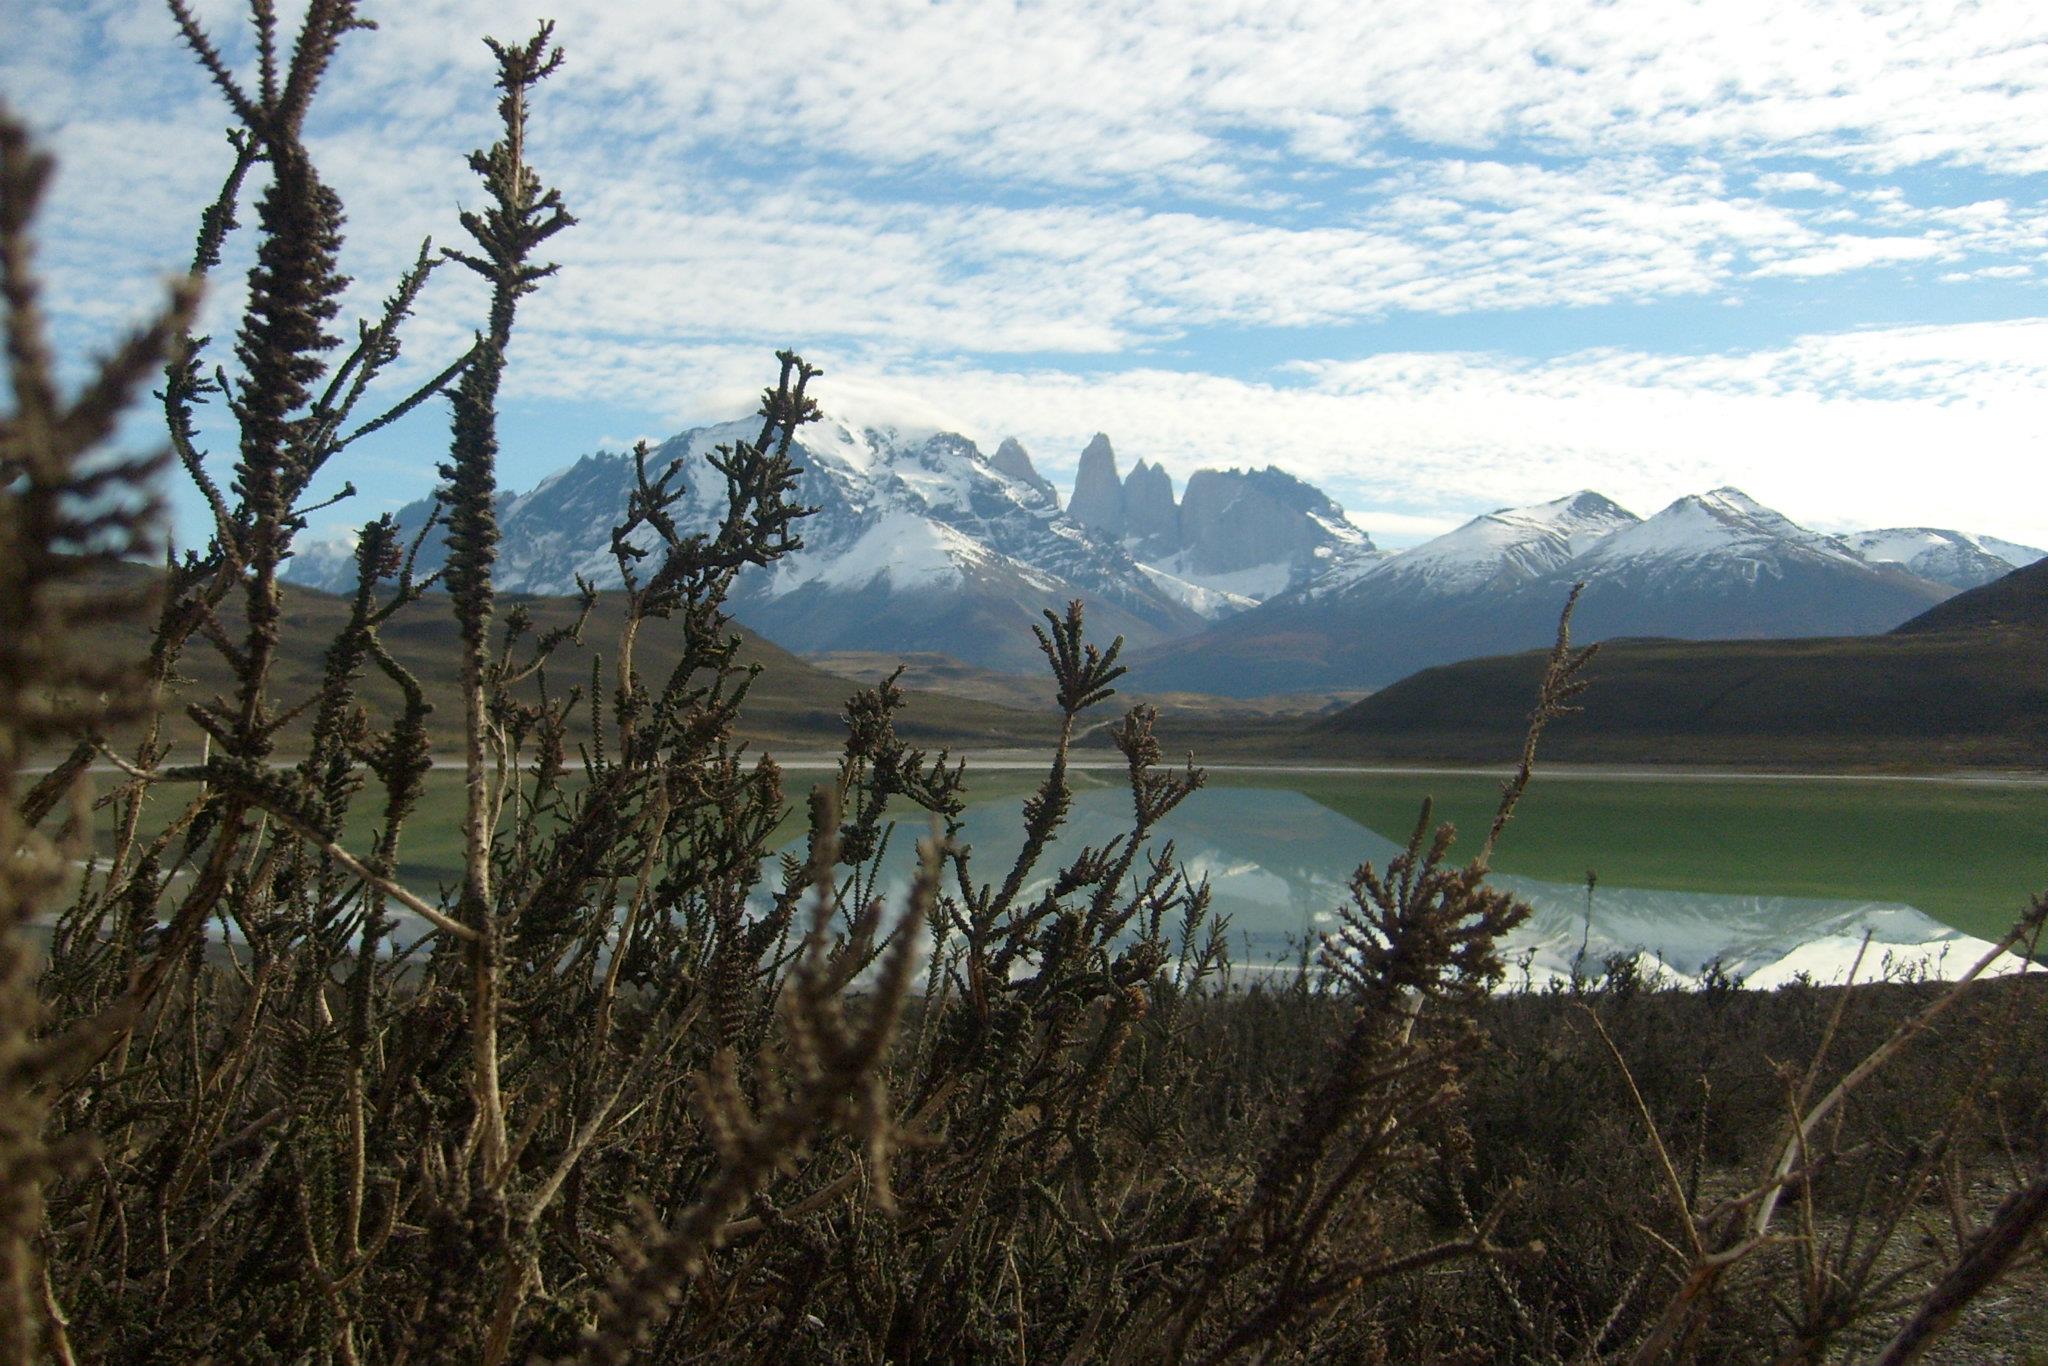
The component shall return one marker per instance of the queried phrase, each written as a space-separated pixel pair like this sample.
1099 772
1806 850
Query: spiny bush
634 1089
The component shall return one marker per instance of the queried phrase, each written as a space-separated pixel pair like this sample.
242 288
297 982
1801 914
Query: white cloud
2012 272
723 198
1796 182
1848 252
945 202
1390 530
1907 426
1944 425
1081 92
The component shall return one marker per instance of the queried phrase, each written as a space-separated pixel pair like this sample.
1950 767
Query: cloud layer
1368 242
1939 426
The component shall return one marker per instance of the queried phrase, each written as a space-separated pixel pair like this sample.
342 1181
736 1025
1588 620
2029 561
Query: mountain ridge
1716 565
1251 581
919 541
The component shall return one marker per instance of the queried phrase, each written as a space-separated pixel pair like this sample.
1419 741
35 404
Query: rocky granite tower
1234 519
1245 533
1151 521
1012 461
1098 501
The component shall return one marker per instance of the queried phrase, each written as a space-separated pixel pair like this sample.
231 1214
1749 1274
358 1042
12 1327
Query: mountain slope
1716 565
1721 565
1955 558
1369 619
1964 683
2019 601
919 542
793 703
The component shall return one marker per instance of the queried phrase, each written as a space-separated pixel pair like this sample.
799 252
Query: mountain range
1249 582
922 542
1711 566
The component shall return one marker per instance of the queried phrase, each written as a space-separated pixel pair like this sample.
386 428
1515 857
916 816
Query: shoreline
1022 760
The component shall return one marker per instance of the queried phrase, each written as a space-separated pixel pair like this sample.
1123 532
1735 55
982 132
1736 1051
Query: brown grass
625 1092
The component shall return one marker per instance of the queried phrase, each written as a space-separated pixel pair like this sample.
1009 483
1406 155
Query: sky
1436 257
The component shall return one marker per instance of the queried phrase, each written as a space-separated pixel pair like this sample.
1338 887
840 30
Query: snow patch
1957 558
1342 530
2017 555
1726 523
902 550
1209 603
1345 570
1252 586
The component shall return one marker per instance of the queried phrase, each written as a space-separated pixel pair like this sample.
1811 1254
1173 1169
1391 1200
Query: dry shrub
618 1095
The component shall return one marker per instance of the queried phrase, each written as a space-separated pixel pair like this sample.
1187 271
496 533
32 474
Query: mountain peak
1583 516
1012 461
1956 558
1150 513
1508 546
1098 498
1591 502
1732 501
1724 522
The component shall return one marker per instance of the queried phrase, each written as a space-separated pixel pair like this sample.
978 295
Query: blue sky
1436 257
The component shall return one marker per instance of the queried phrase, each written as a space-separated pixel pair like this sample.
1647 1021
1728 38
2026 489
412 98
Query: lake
1279 863
1772 876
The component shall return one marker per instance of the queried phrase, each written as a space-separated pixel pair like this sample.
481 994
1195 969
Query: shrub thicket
617 1095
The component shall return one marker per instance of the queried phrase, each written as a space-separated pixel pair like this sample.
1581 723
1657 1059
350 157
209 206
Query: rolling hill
1965 683
792 704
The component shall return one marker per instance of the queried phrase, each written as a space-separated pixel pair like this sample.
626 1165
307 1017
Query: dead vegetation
632 1089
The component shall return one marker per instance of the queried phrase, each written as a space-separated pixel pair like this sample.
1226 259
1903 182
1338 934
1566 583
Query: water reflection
1279 864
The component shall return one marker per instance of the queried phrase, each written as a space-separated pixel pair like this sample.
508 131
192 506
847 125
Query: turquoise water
1279 865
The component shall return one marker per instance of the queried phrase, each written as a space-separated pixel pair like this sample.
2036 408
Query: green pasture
1969 854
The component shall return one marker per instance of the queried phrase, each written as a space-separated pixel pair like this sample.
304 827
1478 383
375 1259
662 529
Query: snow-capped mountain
1955 558
1497 552
1250 581
920 542
1713 565
1722 565
1241 536
1708 531
2012 552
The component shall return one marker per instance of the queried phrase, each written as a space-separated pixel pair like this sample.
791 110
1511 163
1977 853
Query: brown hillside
2020 599
792 703
1923 698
